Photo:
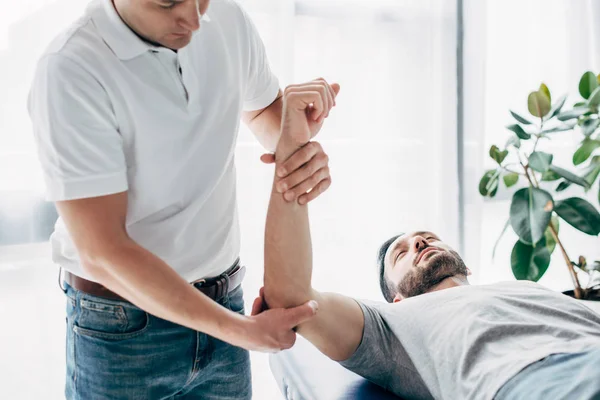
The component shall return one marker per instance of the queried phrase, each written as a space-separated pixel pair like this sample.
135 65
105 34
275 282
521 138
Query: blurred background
426 90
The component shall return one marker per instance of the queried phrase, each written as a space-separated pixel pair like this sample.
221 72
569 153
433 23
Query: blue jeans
559 376
115 350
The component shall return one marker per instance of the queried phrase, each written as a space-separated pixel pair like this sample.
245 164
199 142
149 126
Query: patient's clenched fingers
298 159
320 103
315 192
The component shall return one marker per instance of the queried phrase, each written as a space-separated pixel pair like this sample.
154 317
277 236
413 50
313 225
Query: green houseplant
537 210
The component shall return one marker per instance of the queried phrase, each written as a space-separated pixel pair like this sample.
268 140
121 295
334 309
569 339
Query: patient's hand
303 166
305 107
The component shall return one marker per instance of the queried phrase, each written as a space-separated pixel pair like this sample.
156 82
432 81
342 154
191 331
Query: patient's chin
438 267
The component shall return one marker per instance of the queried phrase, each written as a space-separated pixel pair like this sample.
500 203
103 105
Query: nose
419 243
190 16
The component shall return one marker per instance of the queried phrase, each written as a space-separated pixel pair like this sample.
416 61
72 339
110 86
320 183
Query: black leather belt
215 288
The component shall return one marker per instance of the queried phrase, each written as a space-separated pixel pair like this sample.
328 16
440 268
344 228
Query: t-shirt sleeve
262 85
371 358
381 357
79 146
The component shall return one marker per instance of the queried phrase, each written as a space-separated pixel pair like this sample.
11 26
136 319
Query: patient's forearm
288 252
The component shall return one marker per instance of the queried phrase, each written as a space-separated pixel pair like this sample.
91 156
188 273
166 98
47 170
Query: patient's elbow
281 297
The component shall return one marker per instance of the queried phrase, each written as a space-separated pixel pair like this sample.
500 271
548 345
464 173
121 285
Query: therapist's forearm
148 282
267 125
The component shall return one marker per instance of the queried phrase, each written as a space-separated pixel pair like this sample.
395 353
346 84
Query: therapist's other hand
305 175
272 330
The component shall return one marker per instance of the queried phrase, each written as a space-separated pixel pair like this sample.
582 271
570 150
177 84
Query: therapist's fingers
295 316
315 192
259 303
268 158
307 185
304 176
298 159
257 306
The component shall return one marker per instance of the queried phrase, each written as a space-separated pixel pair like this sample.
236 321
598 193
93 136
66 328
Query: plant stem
510 170
574 278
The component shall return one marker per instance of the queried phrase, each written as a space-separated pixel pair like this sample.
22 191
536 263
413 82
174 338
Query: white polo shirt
112 113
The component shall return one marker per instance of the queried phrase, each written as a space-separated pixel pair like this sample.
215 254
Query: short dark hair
386 289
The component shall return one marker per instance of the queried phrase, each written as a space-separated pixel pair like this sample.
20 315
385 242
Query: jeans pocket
110 320
236 300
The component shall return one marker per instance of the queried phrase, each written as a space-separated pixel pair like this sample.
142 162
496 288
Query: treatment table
304 373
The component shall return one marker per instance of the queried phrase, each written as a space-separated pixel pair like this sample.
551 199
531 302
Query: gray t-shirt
466 342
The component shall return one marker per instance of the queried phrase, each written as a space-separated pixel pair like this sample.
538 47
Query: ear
398 298
469 273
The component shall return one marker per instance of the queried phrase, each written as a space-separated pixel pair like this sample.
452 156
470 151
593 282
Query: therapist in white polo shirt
136 111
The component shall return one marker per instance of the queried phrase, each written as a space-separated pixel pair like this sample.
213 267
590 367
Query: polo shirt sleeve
76 133
262 85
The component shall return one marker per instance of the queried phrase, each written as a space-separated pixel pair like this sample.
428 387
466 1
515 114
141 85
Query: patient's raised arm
337 328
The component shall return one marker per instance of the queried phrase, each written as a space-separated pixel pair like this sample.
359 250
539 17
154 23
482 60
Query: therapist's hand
305 175
272 330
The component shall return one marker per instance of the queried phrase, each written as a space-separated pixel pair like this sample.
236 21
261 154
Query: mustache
418 257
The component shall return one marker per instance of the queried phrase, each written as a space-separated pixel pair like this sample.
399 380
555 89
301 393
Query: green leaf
556 108
520 119
550 176
580 104
530 213
585 150
588 84
589 126
562 186
574 113
519 131
550 242
498 155
528 262
592 172
513 140
594 99
569 176
544 90
511 179
538 104
500 237
595 266
540 161
561 128
580 214
488 186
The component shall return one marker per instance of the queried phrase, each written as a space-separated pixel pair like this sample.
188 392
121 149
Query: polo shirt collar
117 35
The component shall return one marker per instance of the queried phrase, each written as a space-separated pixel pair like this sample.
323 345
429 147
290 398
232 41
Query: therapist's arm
110 256
337 328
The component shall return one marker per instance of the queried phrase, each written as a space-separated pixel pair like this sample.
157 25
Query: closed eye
168 6
399 255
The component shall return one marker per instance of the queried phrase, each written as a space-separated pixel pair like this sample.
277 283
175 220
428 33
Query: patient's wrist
286 147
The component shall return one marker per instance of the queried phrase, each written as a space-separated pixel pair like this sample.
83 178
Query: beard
441 266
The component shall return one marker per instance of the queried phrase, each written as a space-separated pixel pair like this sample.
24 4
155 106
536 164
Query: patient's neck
450 282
